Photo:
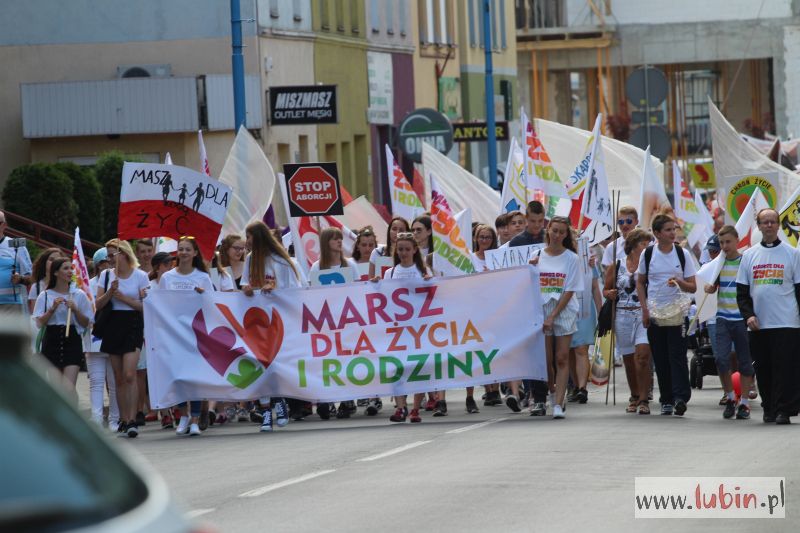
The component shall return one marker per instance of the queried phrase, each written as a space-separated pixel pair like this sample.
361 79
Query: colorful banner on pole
155 202
596 199
515 186
790 219
405 202
80 272
336 343
653 196
451 255
737 191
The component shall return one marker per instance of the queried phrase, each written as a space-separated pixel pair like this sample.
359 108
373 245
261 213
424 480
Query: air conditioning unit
144 71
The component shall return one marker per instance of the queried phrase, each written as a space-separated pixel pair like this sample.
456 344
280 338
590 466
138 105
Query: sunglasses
186 238
622 221
405 235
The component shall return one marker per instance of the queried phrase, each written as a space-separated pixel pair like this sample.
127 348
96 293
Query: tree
43 193
89 197
108 171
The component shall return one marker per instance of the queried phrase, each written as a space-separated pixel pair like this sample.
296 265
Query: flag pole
612 367
697 314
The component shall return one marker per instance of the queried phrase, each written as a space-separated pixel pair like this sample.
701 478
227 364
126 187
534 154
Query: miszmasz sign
309 104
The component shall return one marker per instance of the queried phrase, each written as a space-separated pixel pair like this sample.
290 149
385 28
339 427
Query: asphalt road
495 470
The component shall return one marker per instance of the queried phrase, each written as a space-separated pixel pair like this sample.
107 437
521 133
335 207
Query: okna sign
425 125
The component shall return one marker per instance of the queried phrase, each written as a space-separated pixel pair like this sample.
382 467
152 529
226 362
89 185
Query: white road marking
475 426
198 512
275 486
393 451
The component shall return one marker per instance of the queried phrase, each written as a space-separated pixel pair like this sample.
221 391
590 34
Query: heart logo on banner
216 347
262 335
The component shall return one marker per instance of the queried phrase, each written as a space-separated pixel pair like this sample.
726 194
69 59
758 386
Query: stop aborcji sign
313 189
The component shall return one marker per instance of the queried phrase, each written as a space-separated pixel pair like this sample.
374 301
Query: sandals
634 403
644 408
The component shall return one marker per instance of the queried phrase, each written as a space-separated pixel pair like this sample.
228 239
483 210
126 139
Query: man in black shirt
533 234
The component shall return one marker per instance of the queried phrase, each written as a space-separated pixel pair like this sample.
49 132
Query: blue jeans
732 334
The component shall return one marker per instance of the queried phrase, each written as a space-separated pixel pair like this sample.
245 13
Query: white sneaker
183 426
113 426
194 430
558 412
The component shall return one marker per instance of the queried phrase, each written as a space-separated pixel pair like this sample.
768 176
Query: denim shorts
732 336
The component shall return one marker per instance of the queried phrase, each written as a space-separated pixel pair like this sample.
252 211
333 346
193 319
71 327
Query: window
297 10
471 11
436 22
355 17
497 23
324 15
403 4
390 17
375 16
273 9
340 15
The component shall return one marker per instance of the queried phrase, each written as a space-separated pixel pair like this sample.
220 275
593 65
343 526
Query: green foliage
43 193
108 172
89 197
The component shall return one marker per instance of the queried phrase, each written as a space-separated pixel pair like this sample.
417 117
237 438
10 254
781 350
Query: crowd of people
648 274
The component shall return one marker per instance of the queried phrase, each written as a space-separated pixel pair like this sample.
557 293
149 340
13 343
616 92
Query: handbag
102 316
604 322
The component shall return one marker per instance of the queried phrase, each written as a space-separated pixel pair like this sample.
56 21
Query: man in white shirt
768 295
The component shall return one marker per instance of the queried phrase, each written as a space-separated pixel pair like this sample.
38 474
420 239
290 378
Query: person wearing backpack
665 276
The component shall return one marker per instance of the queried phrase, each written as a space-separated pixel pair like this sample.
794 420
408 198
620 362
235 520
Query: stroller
702 362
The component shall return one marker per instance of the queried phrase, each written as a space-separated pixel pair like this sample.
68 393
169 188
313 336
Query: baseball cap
100 256
712 245
160 258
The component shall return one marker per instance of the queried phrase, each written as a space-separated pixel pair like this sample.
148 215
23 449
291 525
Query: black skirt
124 334
62 350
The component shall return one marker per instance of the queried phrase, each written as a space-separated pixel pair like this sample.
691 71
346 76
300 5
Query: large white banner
343 342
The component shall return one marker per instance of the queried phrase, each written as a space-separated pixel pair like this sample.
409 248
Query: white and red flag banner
204 166
405 202
451 255
340 342
652 196
171 201
80 275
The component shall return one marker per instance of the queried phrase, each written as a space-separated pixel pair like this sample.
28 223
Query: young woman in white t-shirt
558 282
123 288
232 250
268 267
659 286
40 274
64 349
396 225
423 234
189 275
485 239
331 254
408 264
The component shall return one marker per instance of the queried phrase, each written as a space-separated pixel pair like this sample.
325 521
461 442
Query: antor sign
425 125
477 131
310 104
313 189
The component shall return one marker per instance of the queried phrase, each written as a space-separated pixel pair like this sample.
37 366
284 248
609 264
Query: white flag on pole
204 166
515 186
652 196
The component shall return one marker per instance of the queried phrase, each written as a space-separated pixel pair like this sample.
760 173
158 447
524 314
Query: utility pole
237 60
491 141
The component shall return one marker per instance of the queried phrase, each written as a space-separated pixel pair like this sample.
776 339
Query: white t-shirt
36 289
376 253
608 253
222 280
559 274
771 274
401 272
175 281
477 263
662 268
130 287
59 318
276 268
350 263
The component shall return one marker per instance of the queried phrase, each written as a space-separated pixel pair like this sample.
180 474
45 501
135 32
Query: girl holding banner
64 312
268 267
231 258
40 274
408 264
631 335
331 254
558 281
397 225
190 274
123 288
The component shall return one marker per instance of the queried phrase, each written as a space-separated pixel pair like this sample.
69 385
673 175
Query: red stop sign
313 190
